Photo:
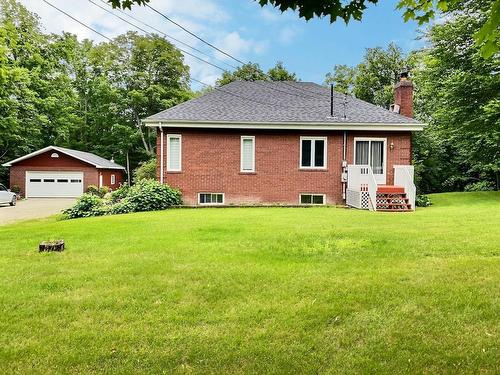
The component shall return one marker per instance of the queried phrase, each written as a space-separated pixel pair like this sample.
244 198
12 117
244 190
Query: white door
48 184
372 152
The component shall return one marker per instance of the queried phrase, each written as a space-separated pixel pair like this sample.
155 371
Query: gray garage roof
87 157
277 102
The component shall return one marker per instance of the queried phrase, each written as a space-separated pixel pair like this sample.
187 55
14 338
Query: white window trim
113 179
169 167
211 204
372 139
325 151
245 137
312 204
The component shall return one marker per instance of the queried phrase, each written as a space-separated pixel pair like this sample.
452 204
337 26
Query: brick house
288 143
55 172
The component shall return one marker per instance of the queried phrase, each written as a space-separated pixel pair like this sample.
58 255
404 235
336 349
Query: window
313 152
62 180
48 180
76 181
370 152
35 180
312 199
113 179
247 154
211 198
2 188
54 155
174 152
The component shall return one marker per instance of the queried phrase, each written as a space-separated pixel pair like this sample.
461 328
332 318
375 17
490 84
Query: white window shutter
247 154
174 153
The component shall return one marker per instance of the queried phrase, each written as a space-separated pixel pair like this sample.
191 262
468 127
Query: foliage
97 191
257 291
145 170
15 189
422 200
373 78
253 72
150 195
56 90
87 205
145 195
458 97
480 186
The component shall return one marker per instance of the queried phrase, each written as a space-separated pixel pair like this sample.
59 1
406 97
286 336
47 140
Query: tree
373 78
458 95
253 72
488 37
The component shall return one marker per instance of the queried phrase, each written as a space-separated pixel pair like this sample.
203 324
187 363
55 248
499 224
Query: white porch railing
403 176
361 187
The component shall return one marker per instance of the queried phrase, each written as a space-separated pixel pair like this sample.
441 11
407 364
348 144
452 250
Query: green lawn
257 290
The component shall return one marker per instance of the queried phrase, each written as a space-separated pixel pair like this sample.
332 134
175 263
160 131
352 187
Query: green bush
146 195
120 193
15 189
422 200
87 205
150 195
145 171
480 186
98 192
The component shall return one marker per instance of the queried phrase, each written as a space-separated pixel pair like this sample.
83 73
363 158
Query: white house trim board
169 166
381 178
242 139
289 126
325 151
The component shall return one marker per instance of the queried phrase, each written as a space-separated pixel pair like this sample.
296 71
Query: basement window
312 198
211 198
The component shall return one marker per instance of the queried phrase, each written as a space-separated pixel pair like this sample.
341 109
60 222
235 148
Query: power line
193 34
148 33
74 19
161 32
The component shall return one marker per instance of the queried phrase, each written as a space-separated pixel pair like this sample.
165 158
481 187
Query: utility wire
76 20
148 33
193 34
161 32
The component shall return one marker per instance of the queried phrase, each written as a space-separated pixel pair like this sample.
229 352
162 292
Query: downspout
344 165
161 154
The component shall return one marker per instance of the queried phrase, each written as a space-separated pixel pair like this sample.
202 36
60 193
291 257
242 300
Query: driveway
33 208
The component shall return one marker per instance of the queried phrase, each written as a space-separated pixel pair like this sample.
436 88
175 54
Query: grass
256 290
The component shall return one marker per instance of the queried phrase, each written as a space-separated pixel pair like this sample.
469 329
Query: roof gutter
287 125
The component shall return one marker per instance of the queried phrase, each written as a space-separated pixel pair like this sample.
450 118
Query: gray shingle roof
87 157
287 102
90 158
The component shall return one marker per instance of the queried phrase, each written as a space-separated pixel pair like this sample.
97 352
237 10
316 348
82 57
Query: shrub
120 193
480 186
87 205
98 192
16 189
145 171
122 207
422 200
150 195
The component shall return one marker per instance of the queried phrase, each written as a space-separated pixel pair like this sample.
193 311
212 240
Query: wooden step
393 210
390 189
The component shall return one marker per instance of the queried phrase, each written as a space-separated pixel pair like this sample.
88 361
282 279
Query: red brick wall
44 162
106 177
211 163
403 96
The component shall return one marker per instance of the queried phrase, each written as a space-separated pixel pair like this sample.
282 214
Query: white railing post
403 176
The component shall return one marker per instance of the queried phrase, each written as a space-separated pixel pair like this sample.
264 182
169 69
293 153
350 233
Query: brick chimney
403 95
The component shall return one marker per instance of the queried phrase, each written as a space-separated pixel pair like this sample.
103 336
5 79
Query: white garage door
54 184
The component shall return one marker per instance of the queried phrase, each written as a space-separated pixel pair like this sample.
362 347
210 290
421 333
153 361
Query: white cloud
287 34
206 18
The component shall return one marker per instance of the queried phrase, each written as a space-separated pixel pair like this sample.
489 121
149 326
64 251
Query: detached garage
57 172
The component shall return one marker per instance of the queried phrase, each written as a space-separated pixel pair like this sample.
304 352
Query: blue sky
246 30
